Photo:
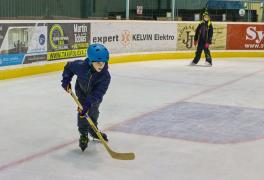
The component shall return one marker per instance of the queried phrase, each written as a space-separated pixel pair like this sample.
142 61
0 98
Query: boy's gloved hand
85 109
66 86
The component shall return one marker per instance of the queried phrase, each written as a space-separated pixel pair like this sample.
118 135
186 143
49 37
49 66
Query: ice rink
182 122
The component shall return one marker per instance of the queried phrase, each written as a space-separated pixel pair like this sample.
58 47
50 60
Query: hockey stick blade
113 154
122 156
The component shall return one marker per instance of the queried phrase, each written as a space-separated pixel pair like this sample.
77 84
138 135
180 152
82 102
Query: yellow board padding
150 57
181 55
242 54
58 66
31 70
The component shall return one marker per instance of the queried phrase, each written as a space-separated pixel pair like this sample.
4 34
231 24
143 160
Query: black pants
199 51
83 125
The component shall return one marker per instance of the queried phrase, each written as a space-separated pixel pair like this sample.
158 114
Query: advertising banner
68 40
186 32
135 37
22 43
185 36
245 37
219 37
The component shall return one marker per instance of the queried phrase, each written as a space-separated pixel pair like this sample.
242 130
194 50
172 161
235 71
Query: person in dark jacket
93 79
203 37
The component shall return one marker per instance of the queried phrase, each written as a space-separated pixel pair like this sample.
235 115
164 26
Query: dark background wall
27 9
110 9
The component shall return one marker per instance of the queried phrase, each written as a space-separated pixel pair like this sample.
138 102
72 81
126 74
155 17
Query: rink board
27 70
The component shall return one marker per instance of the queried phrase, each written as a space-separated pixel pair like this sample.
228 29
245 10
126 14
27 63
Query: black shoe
94 135
83 141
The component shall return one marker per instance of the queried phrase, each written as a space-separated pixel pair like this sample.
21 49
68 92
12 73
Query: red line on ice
35 156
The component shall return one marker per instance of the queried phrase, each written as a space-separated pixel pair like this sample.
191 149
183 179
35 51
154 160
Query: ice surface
38 133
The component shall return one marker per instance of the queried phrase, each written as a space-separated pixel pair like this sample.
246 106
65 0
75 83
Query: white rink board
135 37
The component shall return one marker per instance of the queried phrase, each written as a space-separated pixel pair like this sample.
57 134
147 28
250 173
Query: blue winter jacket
90 85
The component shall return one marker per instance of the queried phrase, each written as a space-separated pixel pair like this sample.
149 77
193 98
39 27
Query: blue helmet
97 53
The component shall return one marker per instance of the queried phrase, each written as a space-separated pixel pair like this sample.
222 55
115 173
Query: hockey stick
115 155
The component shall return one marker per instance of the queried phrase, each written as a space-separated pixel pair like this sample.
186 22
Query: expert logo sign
134 36
126 37
105 39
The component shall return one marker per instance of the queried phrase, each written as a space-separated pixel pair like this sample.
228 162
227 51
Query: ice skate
192 63
95 137
83 141
207 64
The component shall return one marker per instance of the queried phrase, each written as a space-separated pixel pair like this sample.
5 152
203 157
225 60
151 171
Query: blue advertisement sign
11 59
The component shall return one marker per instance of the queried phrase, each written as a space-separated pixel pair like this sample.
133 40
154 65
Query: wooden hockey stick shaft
115 155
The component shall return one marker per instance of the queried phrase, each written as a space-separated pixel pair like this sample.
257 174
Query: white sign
135 37
38 39
139 10
242 12
197 17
